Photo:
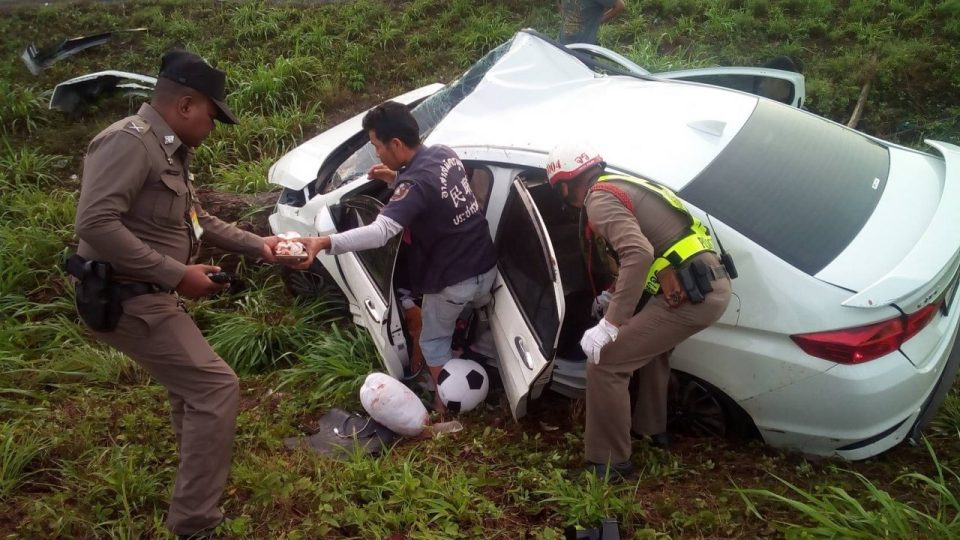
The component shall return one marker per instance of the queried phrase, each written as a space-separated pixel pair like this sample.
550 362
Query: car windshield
796 184
428 114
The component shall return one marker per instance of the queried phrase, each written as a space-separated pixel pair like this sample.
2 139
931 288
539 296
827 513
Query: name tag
195 221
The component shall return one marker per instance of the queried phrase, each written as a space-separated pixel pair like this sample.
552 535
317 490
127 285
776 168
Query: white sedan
839 338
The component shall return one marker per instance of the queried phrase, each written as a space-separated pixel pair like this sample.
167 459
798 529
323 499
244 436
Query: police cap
190 70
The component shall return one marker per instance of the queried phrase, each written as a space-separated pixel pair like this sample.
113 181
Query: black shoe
661 440
616 472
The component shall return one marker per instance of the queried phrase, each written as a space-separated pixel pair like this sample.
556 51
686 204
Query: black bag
342 433
98 301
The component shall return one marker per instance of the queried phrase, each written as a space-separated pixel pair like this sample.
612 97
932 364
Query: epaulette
135 125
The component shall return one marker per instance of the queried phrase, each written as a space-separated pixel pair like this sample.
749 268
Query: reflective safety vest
696 239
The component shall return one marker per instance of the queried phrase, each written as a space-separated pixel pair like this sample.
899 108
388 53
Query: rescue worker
452 258
580 20
140 226
657 243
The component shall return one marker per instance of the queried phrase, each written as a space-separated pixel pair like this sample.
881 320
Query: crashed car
839 338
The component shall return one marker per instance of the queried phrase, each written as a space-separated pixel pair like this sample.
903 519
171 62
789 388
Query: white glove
595 338
600 304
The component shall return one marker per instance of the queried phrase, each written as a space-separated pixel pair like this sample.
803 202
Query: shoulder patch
401 191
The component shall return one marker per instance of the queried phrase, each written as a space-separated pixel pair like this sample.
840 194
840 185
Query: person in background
580 20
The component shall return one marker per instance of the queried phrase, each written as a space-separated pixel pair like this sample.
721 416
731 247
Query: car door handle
524 353
372 309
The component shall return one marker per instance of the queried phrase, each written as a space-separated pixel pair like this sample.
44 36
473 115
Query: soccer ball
462 385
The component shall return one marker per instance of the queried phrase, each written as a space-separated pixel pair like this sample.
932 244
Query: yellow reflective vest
697 240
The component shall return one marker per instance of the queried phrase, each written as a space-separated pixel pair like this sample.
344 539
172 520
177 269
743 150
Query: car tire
696 408
314 282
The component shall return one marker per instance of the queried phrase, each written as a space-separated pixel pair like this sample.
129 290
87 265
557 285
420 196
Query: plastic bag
394 405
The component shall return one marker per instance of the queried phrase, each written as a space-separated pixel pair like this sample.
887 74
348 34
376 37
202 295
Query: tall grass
258 334
332 366
836 513
17 451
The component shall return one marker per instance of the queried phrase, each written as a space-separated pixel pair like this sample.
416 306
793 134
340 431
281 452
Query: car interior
521 259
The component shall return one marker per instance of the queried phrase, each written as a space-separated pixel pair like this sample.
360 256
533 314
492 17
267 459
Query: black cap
190 70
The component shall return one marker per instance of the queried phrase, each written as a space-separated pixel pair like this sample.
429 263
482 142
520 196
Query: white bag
394 405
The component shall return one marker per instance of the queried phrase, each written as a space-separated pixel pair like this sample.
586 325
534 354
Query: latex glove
600 304
595 338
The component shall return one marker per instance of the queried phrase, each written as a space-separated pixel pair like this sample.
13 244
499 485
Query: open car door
528 303
368 275
779 85
776 84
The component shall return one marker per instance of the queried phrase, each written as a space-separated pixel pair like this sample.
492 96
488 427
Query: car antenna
725 258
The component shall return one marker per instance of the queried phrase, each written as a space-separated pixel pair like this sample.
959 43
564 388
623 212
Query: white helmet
568 159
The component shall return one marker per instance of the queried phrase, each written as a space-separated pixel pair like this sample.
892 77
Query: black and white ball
462 385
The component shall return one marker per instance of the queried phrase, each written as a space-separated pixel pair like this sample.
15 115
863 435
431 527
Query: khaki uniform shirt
136 194
636 237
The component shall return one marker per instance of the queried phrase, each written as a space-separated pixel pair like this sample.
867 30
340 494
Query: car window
355 157
379 262
769 87
481 183
356 165
435 108
525 269
796 184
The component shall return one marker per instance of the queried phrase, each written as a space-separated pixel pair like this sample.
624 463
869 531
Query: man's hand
383 173
595 338
269 245
196 284
314 245
614 12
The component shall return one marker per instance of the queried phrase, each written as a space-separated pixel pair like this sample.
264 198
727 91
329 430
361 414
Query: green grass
85 446
835 512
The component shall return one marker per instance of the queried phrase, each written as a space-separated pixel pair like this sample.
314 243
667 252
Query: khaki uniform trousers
204 395
643 343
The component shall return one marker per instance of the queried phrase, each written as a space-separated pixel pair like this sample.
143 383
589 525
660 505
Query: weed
332 366
17 451
838 513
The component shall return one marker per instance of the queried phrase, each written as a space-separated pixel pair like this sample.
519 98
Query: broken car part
38 60
75 94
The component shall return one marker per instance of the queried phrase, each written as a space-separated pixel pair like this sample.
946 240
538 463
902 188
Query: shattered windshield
428 114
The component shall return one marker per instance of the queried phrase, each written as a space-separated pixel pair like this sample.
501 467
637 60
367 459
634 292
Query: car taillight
865 343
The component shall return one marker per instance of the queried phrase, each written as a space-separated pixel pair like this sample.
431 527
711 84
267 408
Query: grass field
85 446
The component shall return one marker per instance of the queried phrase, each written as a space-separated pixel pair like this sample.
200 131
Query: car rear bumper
858 411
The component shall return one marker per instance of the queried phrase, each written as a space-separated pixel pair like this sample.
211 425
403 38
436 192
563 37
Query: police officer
657 243
451 255
138 212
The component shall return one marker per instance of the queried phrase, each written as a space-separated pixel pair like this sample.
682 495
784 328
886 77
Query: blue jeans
440 311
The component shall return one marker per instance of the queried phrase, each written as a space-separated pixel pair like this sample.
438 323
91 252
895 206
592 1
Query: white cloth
369 236
595 338
394 405
600 303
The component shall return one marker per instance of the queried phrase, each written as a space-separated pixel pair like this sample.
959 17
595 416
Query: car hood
537 94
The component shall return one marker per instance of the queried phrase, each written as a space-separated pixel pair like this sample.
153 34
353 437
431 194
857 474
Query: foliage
85 446
836 512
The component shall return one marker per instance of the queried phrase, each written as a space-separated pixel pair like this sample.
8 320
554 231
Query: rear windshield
796 184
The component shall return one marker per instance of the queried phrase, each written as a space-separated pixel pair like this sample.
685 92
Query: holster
673 291
690 282
98 300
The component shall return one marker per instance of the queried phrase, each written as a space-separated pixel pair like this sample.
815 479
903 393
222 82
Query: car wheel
698 409
314 282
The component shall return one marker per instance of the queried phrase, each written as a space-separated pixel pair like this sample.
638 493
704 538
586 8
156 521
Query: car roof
538 94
